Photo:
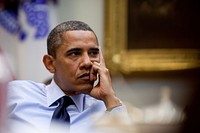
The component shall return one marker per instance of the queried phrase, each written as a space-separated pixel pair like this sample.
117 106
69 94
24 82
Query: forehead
80 36
79 39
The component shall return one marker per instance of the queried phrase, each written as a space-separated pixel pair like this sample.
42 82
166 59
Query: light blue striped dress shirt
29 104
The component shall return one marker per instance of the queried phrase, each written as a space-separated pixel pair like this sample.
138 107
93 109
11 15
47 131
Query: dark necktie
60 114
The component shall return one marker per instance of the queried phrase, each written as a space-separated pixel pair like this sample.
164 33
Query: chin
84 91
87 88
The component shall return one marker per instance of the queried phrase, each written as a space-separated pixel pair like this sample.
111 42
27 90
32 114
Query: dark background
163 24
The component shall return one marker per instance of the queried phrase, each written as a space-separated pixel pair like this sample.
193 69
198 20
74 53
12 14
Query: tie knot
65 101
60 114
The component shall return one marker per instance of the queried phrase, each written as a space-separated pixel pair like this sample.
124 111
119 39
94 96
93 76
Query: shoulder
22 82
25 84
21 87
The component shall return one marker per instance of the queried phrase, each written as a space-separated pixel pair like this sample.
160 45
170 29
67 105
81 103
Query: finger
99 69
97 66
93 73
101 57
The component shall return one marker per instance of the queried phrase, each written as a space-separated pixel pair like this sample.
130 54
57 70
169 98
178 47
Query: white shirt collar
54 93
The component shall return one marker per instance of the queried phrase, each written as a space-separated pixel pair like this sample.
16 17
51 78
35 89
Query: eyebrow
94 49
79 50
72 50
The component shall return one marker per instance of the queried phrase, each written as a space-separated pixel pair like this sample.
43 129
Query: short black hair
55 37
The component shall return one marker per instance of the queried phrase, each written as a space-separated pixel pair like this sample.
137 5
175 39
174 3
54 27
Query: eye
94 53
74 53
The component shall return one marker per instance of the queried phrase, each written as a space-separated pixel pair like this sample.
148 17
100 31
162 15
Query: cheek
68 75
97 59
68 69
72 69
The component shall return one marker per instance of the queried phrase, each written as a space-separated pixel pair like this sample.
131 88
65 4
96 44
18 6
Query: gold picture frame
121 59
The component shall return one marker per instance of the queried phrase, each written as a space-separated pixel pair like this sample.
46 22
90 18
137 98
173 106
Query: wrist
110 109
112 102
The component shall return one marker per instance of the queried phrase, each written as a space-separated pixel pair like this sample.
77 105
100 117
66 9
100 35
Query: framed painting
146 35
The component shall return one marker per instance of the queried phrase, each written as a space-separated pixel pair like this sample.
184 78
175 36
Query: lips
85 76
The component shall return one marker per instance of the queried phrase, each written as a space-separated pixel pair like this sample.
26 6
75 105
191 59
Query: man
76 62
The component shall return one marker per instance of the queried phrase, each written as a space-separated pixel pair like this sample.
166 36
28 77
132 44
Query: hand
103 90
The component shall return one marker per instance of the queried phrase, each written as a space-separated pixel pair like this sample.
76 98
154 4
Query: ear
48 61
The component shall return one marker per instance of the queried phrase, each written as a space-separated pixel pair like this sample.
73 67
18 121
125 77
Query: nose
86 62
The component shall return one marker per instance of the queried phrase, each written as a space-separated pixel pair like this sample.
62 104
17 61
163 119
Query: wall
89 11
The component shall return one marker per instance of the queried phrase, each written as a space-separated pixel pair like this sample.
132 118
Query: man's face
74 61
